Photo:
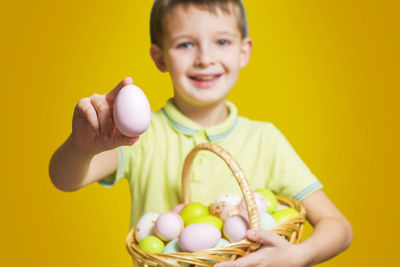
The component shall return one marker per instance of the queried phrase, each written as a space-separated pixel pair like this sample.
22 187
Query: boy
202 45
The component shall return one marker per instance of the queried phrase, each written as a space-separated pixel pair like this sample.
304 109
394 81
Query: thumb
266 238
110 96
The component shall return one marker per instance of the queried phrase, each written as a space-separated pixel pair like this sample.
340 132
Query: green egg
270 199
193 210
209 219
152 244
283 215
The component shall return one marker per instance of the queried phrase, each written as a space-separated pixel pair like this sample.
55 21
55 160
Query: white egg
145 226
132 112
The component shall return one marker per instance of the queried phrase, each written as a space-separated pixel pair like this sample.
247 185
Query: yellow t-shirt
153 165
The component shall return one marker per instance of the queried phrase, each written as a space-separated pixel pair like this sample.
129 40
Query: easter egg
192 210
210 219
199 236
270 199
152 244
231 198
145 226
172 246
222 243
266 221
281 206
283 215
168 226
132 112
223 210
260 203
179 207
235 228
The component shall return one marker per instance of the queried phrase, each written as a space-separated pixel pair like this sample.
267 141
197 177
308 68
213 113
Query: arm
332 232
71 169
89 154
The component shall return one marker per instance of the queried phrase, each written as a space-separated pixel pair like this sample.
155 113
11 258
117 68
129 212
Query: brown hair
161 8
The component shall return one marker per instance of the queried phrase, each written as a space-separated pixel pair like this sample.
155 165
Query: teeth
204 78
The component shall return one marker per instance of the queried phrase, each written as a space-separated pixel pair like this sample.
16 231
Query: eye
223 42
185 45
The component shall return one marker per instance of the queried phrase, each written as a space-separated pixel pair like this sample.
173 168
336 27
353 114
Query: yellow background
325 72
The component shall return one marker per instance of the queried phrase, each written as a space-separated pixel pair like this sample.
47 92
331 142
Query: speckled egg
235 228
168 226
231 198
260 203
145 226
224 209
199 236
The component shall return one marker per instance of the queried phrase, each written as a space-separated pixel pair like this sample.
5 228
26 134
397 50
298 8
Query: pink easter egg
179 207
235 228
260 203
168 226
199 236
132 112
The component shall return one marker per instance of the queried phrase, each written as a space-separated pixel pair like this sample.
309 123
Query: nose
204 57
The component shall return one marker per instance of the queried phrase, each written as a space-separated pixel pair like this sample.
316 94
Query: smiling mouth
205 78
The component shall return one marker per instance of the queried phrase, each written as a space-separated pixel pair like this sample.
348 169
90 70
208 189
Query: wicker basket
291 229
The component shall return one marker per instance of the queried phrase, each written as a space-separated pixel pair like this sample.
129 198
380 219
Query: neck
205 116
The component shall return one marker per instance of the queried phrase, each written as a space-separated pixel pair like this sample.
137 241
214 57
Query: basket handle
237 173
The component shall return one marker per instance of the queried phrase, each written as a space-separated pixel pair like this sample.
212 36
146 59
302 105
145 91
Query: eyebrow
188 35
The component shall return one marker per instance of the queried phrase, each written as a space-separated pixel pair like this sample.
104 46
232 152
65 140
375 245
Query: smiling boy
202 45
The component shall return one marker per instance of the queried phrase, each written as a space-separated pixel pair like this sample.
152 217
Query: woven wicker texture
290 229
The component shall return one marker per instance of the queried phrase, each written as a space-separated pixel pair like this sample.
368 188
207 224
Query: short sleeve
290 175
114 178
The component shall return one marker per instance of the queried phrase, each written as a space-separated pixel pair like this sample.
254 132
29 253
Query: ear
158 57
245 51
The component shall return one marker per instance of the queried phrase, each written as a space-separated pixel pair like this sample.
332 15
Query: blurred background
326 73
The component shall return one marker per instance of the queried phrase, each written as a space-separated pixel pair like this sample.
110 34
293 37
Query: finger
266 238
103 113
123 140
250 260
110 96
85 110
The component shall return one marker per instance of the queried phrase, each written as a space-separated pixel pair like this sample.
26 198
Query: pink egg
260 203
199 236
235 228
224 209
132 112
168 226
179 207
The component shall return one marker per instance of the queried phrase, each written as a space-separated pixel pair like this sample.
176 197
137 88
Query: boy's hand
276 251
93 128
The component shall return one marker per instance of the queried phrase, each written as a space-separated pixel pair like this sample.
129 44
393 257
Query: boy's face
203 53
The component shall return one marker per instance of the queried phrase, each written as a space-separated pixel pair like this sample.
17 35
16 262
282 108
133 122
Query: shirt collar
185 125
